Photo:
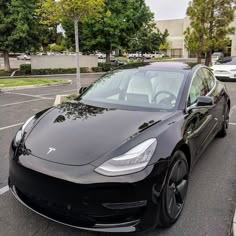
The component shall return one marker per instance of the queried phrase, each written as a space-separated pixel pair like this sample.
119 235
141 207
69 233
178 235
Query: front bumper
107 206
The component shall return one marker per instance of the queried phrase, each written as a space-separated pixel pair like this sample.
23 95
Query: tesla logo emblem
51 150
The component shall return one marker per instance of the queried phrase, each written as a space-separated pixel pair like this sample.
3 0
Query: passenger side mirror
82 90
205 101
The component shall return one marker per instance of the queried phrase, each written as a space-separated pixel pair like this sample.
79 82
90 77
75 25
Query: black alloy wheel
175 191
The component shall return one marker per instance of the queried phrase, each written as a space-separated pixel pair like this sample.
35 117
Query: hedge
25 69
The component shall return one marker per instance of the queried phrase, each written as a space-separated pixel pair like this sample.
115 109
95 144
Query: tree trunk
199 57
7 66
78 80
108 57
208 58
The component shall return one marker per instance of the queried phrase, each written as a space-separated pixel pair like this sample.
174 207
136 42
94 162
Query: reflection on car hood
78 134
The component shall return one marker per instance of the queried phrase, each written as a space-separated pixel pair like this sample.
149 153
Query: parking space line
47 94
17 103
27 95
11 126
232 124
4 190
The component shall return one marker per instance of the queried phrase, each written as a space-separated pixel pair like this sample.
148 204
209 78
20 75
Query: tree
148 39
118 23
18 27
209 27
75 10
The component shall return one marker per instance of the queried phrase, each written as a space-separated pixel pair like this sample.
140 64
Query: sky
168 9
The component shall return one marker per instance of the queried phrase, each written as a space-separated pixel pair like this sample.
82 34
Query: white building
176 29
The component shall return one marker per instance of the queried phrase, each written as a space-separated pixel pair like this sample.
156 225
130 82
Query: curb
58 99
234 225
55 75
34 86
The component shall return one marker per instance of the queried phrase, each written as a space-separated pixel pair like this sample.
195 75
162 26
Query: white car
24 57
101 56
225 69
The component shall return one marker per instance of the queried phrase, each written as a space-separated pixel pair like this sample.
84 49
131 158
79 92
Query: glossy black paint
63 186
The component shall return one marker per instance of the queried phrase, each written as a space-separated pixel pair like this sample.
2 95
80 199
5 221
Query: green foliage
97 69
56 48
117 25
50 71
148 39
84 70
5 83
25 69
105 66
166 45
18 25
210 26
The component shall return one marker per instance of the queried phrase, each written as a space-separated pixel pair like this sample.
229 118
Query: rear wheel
223 132
175 190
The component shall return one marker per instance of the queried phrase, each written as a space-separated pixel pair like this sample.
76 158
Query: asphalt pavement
211 197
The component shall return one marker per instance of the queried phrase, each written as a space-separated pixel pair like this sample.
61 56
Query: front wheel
175 190
223 132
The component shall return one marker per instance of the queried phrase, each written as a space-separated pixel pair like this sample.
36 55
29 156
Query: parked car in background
115 62
101 56
135 55
24 57
225 69
147 56
158 55
217 57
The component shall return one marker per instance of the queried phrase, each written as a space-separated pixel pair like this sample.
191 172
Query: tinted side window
198 88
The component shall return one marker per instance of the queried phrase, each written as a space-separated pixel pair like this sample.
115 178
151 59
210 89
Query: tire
224 130
175 190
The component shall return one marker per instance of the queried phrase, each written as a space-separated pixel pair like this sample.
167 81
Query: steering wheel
171 95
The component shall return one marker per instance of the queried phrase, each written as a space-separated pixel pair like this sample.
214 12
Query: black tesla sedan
118 158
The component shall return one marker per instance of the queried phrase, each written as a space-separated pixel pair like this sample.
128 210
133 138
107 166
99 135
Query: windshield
216 54
137 88
231 61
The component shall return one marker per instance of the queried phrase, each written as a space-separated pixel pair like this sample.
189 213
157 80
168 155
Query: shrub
97 69
105 66
25 69
84 69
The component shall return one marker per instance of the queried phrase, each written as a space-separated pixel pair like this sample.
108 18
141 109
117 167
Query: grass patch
69 98
5 83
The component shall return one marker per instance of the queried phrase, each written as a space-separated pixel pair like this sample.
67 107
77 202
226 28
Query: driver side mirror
205 101
82 90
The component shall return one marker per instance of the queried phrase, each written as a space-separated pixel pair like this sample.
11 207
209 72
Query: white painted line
232 124
235 217
17 103
4 190
27 95
11 126
232 111
65 91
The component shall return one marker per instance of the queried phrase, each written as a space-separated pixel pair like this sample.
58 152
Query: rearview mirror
82 90
205 101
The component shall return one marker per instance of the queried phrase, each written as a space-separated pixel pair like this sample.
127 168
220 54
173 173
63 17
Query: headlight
20 133
132 161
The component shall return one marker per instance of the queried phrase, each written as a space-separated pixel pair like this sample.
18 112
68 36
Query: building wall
176 29
62 61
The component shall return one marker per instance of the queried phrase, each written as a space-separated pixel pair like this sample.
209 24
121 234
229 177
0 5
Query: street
212 188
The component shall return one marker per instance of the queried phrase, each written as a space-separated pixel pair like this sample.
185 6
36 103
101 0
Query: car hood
224 67
78 134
